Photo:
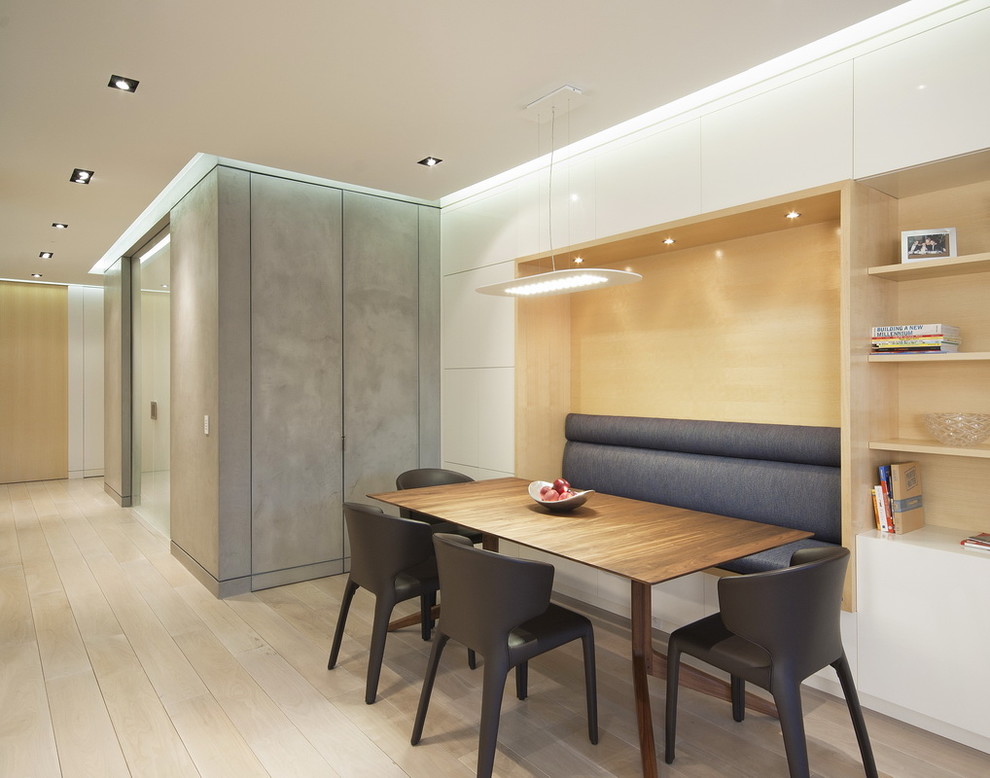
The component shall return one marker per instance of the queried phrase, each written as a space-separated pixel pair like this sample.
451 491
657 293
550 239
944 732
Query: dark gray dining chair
392 558
775 629
434 476
500 607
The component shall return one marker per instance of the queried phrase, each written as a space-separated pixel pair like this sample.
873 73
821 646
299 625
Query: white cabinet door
924 635
923 98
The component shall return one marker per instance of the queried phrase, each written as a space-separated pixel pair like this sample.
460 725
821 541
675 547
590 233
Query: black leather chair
516 623
774 630
434 476
393 559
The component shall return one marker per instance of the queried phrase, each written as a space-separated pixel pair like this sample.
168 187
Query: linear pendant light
567 280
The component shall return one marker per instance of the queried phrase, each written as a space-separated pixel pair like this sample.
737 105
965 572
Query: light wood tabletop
642 541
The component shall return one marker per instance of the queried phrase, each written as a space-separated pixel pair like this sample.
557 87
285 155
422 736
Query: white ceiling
350 91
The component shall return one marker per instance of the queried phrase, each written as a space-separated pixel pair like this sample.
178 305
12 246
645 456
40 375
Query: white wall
85 381
849 114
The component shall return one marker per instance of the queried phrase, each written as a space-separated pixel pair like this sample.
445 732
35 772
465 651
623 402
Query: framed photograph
919 245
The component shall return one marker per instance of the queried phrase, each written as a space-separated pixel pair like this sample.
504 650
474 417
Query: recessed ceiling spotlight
122 83
578 260
60 226
669 241
429 161
792 214
47 254
80 176
36 275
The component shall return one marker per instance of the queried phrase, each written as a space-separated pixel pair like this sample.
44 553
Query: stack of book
980 542
897 503
915 339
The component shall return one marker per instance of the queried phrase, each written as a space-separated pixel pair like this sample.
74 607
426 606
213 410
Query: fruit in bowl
558 495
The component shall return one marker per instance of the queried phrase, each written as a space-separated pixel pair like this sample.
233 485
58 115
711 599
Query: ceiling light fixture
123 83
792 214
80 176
60 226
669 241
36 275
46 254
430 161
572 279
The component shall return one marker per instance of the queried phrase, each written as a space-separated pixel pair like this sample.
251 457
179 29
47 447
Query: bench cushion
779 474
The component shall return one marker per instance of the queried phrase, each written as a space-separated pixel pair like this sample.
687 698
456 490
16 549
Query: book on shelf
906 504
980 541
915 330
881 508
949 348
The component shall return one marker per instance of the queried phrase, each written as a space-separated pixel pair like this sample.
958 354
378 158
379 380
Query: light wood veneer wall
34 402
738 321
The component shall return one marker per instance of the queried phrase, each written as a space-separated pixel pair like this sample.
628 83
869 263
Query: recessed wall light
429 161
669 241
36 275
47 254
792 214
122 83
60 226
80 176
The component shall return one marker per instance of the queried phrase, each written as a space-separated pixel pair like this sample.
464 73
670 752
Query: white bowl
561 506
958 429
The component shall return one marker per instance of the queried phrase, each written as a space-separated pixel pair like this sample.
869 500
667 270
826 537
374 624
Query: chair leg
439 641
379 632
472 659
591 685
738 686
426 602
841 666
345 605
670 722
787 697
493 685
522 680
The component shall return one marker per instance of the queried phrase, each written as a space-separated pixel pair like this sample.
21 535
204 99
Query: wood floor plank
27 740
213 742
147 736
333 734
278 744
59 641
87 742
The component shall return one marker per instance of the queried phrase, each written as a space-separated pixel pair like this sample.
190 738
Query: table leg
642 662
489 542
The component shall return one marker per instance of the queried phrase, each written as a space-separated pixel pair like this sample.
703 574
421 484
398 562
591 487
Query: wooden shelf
928 447
962 356
934 268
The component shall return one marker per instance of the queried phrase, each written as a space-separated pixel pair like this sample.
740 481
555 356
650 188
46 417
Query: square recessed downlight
47 254
123 83
60 225
80 176
430 161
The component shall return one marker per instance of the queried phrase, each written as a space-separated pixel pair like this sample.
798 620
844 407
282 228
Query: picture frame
922 245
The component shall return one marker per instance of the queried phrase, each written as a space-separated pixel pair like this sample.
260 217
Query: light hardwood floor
114 661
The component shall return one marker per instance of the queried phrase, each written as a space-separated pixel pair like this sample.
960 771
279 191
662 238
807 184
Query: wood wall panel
33 382
741 330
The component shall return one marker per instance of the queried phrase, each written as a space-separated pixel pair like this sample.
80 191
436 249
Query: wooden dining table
645 542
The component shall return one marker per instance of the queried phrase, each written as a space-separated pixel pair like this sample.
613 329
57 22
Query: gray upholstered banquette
774 473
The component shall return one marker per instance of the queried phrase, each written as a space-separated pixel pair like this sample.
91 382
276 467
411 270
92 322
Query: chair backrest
382 546
485 595
793 613
427 476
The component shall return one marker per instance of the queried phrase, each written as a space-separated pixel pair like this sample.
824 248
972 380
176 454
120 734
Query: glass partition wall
151 366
